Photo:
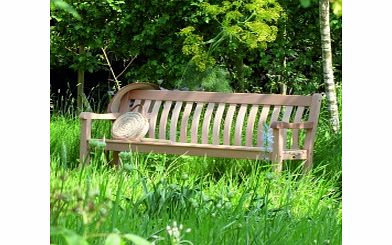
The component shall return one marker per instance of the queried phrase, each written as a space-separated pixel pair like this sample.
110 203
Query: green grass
245 203
222 201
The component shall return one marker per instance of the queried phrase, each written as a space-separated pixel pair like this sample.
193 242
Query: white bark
327 64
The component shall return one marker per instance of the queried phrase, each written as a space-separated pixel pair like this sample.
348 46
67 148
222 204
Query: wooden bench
227 125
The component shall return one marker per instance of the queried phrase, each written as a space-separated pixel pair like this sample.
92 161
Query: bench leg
309 147
85 135
116 159
308 163
278 166
277 153
84 152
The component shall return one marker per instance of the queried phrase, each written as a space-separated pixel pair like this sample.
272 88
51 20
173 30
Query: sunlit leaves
337 7
247 25
62 5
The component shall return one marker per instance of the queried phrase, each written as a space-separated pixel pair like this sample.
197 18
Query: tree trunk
80 85
327 64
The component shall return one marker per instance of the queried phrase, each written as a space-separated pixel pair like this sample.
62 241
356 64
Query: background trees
161 38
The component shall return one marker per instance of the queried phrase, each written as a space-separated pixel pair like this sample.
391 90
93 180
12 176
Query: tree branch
111 69
127 66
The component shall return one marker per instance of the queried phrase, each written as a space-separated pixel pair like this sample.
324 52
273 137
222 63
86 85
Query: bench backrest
221 118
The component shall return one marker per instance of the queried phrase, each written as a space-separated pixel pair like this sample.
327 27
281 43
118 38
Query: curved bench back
115 102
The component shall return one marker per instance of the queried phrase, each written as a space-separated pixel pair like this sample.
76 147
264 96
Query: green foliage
234 29
60 4
337 7
212 79
294 58
161 206
260 44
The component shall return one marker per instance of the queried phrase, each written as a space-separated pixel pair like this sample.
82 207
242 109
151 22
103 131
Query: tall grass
222 201
255 206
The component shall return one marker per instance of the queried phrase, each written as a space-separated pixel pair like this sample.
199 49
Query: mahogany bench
228 125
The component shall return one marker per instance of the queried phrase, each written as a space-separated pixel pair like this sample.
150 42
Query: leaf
137 240
60 4
113 239
71 237
305 3
337 7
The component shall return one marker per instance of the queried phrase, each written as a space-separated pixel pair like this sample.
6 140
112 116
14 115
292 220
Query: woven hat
131 125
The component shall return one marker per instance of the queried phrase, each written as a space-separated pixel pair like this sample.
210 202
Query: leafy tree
155 40
234 28
78 42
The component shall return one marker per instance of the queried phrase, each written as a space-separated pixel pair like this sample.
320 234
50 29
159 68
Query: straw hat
131 125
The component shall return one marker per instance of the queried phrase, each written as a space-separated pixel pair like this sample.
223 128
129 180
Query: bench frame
138 91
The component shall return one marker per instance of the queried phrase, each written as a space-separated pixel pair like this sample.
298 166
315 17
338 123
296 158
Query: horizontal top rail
216 97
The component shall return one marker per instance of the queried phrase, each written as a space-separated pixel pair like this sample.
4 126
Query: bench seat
225 151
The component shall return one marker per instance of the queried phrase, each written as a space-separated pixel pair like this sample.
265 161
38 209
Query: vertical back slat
163 121
239 124
260 127
275 114
228 121
146 106
153 118
297 118
217 123
206 123
286 118
250 125
184 121
174 120
195 122
137 102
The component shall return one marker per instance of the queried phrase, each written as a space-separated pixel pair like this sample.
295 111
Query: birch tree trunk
327 64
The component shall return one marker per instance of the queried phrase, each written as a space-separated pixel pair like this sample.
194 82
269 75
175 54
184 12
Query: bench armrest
91 115
286 125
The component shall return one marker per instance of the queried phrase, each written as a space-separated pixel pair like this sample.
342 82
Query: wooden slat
250 125
228 121
217 123
225 151
216 97
146 106
286 118
174 120
153 118
184 122
239 124
298 125
260 127
124 104
91 115
206 123
137 109
275 114
297 118
195 122
163 121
